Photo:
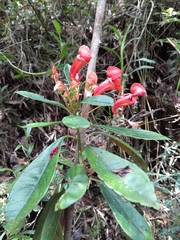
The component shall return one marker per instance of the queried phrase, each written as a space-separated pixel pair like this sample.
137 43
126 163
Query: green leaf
58 40
141 67
66 73
77 183
66 162
48 221
30 187
135 185
145 60
63 50
175 44
128 149
101 100
178 86
41 124
115 30
20 236
4 56
127 216
113 51
76 122
57 26
134 133
40 98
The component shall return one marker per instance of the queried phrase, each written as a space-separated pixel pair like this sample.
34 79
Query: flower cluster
112 82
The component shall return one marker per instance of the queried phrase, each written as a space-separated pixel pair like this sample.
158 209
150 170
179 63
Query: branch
96 40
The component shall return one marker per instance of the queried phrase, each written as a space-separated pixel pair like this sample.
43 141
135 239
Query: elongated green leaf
75 188
20 236
141 67
128 149
30 187
40 124
132 152
76 122
115 30
63 50
133 184
178 86
48 221
175 44
145 60
127 216
113 51
55 37
40 98
57 26
66 73
66 162
101 100
134 133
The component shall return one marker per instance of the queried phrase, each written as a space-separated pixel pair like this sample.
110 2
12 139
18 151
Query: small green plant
26 147
120 181
57 37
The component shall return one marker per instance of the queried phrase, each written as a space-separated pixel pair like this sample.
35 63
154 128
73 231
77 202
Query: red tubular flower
83 58
107 85
126 100
114 72
137 89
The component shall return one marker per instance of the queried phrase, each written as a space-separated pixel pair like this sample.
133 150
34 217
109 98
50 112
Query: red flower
113 82
107 85
125 100
113 72
83 58
137 89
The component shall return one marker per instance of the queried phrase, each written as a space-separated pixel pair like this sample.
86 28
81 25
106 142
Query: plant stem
79 146
68 218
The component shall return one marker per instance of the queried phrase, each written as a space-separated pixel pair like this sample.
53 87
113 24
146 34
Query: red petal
74 70
113 72
125 100
105 86
137 89
117 83
85 53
